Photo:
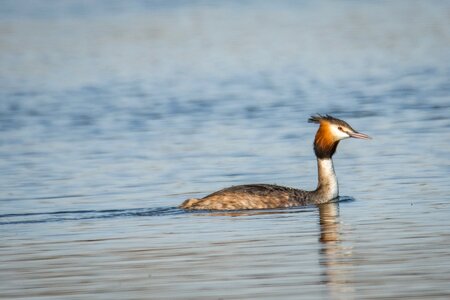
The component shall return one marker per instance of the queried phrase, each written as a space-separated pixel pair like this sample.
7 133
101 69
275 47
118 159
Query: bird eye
340 128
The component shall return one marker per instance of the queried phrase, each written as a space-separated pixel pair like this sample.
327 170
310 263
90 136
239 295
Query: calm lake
114 112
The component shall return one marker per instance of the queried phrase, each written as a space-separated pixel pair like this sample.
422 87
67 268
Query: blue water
112 113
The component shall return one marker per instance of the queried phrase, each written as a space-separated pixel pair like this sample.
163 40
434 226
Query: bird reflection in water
334 256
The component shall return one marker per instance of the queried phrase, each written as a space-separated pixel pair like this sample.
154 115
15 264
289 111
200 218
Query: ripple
61 216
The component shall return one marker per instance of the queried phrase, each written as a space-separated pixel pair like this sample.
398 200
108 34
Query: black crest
317 118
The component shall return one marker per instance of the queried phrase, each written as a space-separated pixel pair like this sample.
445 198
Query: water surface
111 115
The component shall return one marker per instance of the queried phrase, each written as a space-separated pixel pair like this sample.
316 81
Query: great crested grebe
262 196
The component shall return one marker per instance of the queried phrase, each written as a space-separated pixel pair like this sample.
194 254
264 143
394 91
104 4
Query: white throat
328 184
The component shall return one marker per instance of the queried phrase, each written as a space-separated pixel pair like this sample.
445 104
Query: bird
269 196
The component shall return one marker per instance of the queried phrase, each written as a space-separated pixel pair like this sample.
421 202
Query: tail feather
189 203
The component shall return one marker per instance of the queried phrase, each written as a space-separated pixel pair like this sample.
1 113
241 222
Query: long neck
327 188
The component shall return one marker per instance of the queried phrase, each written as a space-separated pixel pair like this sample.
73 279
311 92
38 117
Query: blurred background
115 110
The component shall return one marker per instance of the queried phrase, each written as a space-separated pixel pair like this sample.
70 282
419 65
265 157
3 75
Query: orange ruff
324 140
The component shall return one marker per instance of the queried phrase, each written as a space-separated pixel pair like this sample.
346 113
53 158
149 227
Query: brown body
264 196
252 196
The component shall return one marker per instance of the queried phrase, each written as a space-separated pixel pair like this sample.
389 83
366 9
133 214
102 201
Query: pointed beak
359 135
